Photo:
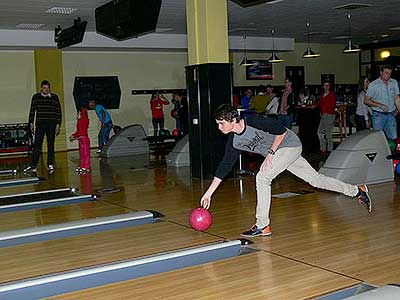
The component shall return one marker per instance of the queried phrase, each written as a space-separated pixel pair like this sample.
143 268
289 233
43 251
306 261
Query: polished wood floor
321 241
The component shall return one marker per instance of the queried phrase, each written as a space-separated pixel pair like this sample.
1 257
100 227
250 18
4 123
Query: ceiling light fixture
245 62
274 58
384 54
353 6
163 29
309 53
61 10
29 26
350 47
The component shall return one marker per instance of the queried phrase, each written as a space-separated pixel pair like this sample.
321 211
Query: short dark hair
44 82
270 86
226 112
386 66
289 79
328 82
361 83
179 93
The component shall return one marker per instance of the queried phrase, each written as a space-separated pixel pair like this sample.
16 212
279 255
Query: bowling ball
164 132
392 144
174 113
397 169
176 132
200 219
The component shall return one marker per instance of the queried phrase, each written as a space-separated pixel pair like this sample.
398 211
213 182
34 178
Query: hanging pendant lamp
309 53
274 58
245 62
350 47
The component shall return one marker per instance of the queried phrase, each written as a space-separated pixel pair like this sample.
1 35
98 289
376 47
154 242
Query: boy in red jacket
81 134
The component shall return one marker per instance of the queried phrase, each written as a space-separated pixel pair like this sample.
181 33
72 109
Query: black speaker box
105 90
247 3
71 35
124 19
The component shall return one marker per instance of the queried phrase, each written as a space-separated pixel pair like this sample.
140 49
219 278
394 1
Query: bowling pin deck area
321 242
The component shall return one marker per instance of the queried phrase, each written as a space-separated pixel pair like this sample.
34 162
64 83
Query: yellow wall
49 66
17 84
332 61
136 70
207 25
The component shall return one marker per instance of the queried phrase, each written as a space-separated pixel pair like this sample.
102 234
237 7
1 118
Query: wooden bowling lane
321 228
333 232
324 229
59 214
53 256
24 188
258 275
176 199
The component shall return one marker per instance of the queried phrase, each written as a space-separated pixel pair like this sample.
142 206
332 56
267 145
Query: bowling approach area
126 235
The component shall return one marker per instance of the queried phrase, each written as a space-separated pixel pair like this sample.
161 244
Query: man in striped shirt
44 119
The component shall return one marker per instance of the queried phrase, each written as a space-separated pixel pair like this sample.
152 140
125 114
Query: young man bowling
282 151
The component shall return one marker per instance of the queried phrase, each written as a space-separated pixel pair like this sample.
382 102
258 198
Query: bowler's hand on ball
205 201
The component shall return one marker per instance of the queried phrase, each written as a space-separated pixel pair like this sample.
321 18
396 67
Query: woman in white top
362 111
272 108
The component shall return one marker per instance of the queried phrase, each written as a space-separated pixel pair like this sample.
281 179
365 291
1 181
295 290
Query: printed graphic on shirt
253 140
259 141
253 143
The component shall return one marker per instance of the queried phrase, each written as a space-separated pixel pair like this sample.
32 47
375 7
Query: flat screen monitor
260 70
105 90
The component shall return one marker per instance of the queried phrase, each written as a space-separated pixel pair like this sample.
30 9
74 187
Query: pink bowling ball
200 219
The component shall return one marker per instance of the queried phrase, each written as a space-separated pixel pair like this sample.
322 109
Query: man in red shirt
156 105
327 104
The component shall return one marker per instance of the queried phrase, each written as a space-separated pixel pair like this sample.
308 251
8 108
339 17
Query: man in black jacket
282 151
44 119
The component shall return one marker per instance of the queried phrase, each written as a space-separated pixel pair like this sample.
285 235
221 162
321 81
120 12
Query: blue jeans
386 122
104 135
286 120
